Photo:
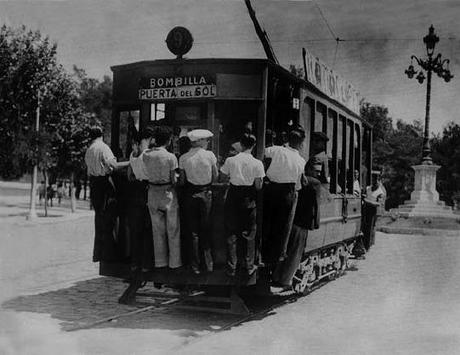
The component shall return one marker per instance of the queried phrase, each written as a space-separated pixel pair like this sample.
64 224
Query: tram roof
257 61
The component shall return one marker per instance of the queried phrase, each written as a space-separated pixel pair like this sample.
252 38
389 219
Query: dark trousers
285 270
369 219
139 226
197 213
279 203
104 202
240 224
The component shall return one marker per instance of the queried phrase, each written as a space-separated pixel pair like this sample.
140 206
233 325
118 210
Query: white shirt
138 166
158 164
375 196
243 169
286 166
97 158
356 188
197 164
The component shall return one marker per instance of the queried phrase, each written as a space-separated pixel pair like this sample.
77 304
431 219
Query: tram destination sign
177 87
331 83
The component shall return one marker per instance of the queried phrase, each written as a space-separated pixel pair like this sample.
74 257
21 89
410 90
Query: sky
377 39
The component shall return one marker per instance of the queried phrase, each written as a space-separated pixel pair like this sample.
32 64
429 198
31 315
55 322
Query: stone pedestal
424 200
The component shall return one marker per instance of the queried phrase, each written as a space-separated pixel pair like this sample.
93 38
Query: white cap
198 134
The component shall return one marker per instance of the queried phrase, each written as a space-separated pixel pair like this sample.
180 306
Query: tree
405 144
446 153
96 97
395 150
31 79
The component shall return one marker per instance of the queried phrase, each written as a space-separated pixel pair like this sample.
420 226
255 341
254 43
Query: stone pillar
424 200
425 184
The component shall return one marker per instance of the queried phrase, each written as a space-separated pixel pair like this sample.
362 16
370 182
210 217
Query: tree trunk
85 185
45 175
73 202
33 195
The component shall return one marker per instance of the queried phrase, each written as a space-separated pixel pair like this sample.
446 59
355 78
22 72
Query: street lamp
430 65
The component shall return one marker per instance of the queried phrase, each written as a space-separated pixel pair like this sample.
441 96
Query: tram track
169 302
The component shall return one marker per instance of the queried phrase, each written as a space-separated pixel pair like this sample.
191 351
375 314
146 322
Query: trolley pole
33 190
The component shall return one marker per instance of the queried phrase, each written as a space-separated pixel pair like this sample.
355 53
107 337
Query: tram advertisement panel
177 87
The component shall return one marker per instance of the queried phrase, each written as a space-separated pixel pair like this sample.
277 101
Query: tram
225 96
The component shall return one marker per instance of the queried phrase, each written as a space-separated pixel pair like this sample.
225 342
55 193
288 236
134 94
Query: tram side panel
334 228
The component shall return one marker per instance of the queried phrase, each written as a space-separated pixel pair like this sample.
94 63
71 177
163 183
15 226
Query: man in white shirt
198 169
280 195
160 166
375 198
100 163
245 174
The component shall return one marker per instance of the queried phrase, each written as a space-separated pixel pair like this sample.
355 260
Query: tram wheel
305 277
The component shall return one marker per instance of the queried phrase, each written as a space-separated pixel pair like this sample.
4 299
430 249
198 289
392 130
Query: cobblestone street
402 299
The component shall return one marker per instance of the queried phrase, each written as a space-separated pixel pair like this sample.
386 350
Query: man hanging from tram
197 171
101 162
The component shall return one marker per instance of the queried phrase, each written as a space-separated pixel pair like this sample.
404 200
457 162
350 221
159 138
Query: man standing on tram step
160 166
245 173
280 195
100 163
198 170
138 217
306 217
318 147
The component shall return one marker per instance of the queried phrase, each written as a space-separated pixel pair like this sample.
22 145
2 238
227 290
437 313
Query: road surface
403 299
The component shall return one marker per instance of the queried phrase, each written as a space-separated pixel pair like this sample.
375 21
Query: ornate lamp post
430 65
424 201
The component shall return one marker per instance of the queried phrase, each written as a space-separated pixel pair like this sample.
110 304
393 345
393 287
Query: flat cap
198 134
314 162
320 135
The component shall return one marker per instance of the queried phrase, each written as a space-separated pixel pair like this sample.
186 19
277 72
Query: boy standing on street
245 174
198 170
160 166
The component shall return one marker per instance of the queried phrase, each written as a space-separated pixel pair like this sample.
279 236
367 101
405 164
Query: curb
48 220
420 231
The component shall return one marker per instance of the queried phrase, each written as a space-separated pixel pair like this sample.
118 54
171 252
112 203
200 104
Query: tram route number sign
180 87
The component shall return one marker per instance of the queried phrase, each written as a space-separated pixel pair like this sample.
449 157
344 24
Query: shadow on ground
93 300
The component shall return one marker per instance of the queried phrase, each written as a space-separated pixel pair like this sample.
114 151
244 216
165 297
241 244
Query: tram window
307 117
332 126
330 131
129 127
366 156
320 118
157 111
350 156
188 113
341 152
357 140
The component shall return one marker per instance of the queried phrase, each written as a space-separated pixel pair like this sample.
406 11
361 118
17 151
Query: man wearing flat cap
306 217
198 169
318 151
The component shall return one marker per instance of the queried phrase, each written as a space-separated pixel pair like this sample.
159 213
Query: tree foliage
446 153
96 97
395 150
31 77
